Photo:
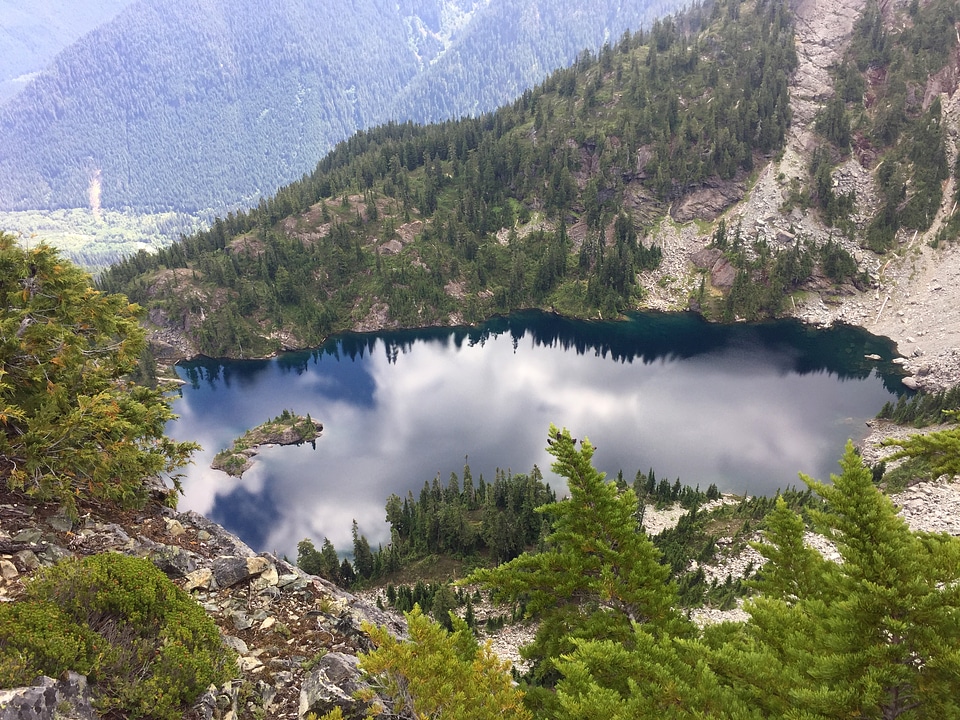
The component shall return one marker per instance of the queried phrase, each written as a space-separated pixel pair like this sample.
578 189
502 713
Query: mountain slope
32 34
580 196
542 204
207 104
512 45
197 104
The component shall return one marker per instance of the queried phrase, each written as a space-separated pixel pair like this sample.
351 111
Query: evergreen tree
308 559
444 603
877 635
599 574
363 560
652 677
329 561
72 425
440 674
941 449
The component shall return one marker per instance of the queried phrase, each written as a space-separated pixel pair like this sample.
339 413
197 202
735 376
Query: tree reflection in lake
745 407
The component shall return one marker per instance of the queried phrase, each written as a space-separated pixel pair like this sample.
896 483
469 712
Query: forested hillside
511 45
870 635
543 203
31 34
192 106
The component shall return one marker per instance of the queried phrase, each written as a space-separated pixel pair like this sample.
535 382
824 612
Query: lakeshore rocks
931 506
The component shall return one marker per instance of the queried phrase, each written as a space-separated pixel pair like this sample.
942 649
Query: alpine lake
747 407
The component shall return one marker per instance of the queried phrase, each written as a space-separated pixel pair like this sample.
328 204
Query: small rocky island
287 428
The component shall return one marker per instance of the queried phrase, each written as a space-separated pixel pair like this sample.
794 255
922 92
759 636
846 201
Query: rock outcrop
294 633
49 699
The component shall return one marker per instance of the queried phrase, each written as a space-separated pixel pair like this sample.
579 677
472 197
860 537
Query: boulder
200 579
722 271
171 559
220 541
334 682
228 571
8 571
707 202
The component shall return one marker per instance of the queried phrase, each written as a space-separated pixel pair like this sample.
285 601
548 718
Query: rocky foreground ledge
297 636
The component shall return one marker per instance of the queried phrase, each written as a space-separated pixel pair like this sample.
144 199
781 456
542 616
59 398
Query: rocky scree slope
915 295
915 298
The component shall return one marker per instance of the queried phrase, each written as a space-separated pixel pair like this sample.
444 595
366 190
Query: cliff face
915 295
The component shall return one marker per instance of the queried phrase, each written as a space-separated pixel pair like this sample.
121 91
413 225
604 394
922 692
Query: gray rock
220 540
241 621
201 579
8 571
49 699
60 523
174 527
228 571
52 554
269 578
205 707
235 643
708 201
249 663
30 535
113 529
27 559
171 559
291 580
333 683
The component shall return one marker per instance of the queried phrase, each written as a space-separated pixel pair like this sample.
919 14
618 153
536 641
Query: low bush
146 646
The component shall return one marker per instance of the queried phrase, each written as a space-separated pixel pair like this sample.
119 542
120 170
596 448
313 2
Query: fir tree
877 635
72 425
599 574
941 450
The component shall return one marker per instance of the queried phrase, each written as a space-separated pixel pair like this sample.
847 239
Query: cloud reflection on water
732 410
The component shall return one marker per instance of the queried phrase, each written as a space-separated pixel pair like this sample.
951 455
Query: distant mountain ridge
31 34
194 105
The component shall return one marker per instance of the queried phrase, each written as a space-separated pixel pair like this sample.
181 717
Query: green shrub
38 638
148 648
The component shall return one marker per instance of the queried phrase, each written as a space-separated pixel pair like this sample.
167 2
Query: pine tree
877 635
72 425
599 573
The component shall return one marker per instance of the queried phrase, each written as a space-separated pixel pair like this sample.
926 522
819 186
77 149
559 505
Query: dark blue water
745 407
